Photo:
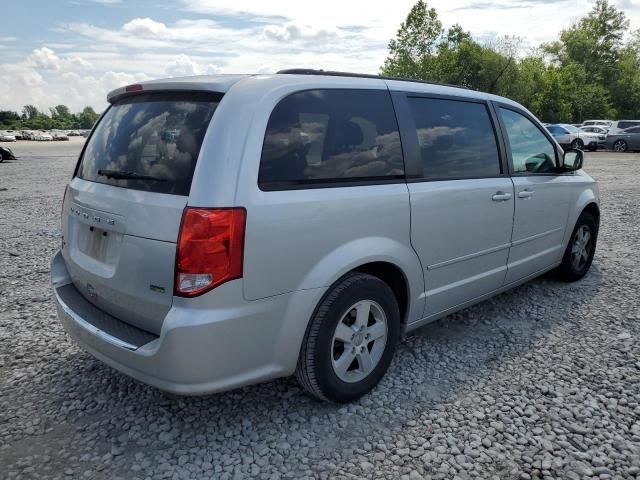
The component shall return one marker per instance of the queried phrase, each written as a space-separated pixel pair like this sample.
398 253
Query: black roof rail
333 73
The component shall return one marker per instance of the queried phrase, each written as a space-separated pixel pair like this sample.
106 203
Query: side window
531 151
633 130
456 139
328 136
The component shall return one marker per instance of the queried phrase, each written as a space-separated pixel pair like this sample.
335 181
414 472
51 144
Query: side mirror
572 160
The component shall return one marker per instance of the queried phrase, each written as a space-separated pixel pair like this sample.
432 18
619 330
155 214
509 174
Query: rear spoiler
214 83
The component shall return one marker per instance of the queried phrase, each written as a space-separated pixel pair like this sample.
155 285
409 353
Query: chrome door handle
525 194
501 196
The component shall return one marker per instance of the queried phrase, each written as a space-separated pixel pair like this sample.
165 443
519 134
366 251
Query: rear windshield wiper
120 175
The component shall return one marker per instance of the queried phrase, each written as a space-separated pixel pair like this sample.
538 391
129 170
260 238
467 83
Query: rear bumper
207 344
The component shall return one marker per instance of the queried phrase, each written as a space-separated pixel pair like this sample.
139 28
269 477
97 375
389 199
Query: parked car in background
624 140
59 136
569 136
597 123
563 136
42 137
15 133
214 262
598 130
74 133
7 137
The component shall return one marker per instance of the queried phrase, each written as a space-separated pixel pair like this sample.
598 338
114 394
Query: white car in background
573 137
6 137
598 123
42 137
59 136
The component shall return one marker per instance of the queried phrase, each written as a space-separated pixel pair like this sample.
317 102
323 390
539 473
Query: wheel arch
395 278
388 259
594 210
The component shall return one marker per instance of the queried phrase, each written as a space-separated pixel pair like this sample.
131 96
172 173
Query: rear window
149 142
331 136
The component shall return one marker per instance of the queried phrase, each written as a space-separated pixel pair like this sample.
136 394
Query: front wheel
350 340
581 249
577 144
620 146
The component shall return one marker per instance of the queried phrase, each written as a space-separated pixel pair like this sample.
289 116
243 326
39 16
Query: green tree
29 112
87 117
416 41
588 72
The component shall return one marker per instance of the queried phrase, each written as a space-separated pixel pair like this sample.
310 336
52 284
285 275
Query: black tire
570 270
315 370
577 144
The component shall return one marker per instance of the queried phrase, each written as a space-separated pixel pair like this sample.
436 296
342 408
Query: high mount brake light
136 87
210 249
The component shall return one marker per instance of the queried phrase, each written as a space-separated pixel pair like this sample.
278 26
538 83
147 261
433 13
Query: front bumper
207 344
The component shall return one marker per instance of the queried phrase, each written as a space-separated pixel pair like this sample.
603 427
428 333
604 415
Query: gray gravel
540 382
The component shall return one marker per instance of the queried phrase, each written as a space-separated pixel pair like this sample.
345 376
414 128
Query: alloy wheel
581 247
359 341
620 146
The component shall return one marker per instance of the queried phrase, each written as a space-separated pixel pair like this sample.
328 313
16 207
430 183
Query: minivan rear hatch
123 209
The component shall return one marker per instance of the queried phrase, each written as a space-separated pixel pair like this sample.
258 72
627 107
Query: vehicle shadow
438 364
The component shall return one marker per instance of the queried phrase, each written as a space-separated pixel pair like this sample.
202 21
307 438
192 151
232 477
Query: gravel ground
540 382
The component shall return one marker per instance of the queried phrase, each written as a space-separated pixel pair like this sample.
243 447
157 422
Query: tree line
59 118
591 71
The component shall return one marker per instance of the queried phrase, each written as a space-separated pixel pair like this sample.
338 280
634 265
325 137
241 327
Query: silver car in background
226 230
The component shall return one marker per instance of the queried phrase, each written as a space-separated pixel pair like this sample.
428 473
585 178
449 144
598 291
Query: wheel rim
359 341
577 144
581 247
619 146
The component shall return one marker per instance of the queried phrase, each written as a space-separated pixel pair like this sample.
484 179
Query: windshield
149 142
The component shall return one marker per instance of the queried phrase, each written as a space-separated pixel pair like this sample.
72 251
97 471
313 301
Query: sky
74 52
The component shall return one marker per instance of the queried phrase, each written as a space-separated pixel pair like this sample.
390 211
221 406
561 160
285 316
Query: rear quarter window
149 141
321 137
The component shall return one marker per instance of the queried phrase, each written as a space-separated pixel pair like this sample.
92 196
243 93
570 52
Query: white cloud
183 66
45 58
293 31
145 26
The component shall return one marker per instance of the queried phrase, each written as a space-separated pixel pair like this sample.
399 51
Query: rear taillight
210 249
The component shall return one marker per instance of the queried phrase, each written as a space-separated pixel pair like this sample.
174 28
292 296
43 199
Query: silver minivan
226 230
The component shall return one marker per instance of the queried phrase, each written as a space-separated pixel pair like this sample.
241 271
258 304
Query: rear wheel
577 144
350 340
620 146
582 246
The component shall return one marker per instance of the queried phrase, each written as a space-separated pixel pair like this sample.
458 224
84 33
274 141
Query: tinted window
155 137
555 130
325 136
456 139
633 130
531 151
